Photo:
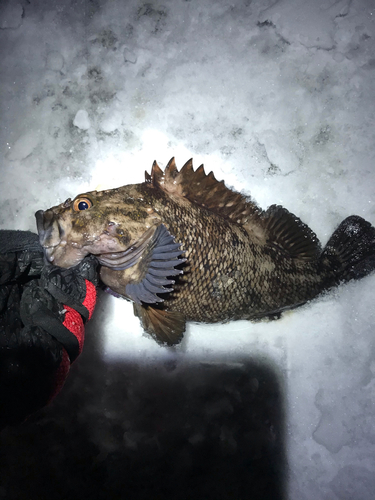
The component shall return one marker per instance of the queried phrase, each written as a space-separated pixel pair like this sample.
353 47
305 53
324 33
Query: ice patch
279 152
331 433
129 56
112 121
308 23
81 120
354 482
24 146
11 15
55 61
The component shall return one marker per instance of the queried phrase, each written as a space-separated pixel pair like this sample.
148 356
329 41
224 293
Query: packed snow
278 99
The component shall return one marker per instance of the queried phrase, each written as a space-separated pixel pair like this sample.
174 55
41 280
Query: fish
182 246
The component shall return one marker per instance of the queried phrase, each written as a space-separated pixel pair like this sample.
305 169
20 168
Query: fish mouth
61 250
54 243
48 252
49 231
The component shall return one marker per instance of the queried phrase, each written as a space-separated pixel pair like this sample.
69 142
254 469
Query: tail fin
350 252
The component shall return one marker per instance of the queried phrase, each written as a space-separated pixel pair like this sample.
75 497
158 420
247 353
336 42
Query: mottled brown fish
227 258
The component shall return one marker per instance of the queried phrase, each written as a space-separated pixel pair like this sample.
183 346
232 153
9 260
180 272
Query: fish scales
229 277
184 247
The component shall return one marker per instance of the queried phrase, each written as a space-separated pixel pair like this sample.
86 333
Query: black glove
57 295
42 313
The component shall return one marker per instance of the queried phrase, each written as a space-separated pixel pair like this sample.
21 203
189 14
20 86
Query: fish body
184 247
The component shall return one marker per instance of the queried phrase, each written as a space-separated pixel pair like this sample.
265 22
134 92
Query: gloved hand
61 301
43 309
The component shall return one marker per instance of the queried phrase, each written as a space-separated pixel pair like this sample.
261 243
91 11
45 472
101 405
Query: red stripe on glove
73 321
90 299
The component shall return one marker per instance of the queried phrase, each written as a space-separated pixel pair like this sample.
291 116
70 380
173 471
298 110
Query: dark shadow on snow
178 430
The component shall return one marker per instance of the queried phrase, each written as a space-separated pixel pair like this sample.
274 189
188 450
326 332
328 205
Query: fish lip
51 234
40 226
60 253
48 228
48 253
49 250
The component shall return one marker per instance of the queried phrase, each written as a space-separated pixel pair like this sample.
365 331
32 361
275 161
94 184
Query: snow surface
277 97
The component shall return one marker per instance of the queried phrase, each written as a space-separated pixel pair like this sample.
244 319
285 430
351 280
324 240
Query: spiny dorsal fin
203 189
156 174
288 232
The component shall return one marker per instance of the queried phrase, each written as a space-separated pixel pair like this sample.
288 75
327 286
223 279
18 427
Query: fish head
98 222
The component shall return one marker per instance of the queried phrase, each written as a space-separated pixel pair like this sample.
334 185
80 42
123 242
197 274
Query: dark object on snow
239 261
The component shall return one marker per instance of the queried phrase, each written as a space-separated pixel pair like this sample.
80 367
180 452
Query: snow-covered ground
278 99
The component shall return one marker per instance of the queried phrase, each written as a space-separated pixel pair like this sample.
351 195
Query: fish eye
82 204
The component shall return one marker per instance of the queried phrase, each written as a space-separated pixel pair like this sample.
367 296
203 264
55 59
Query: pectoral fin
167 327
153 262
158 263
